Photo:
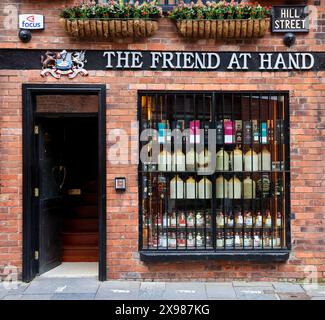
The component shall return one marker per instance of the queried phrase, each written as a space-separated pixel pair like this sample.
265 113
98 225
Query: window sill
160 256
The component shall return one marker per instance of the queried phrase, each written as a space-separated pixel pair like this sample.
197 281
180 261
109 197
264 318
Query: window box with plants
222 19
111 20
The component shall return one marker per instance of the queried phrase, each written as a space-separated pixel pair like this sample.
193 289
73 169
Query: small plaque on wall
290 19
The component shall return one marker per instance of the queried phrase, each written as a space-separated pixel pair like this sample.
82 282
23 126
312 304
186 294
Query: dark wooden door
51 177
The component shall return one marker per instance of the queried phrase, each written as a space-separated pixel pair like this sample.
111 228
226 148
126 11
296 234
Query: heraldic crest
64 63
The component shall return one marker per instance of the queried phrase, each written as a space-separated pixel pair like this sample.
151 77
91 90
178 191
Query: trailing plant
219 11
113 10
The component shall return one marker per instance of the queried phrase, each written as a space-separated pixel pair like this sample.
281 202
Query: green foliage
219 10
112 9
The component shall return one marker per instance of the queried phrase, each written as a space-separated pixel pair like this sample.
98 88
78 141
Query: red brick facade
307 115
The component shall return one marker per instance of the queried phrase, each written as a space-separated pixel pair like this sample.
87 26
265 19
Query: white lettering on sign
166 60
31 21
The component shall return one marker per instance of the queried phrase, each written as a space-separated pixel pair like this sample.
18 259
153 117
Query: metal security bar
217 171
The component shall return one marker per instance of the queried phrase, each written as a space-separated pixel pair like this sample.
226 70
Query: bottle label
220 243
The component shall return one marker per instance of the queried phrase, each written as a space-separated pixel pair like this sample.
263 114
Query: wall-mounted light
120 183
25 35
289 39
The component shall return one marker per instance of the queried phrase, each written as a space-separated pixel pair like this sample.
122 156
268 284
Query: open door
51 179
48 231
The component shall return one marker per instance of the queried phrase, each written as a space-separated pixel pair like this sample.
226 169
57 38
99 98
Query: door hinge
36 192
36 255
36 129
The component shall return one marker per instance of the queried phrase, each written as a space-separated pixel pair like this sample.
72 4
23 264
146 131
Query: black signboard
201 61
290 19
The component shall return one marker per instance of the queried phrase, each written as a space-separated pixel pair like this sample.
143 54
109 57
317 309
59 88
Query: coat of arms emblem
64 63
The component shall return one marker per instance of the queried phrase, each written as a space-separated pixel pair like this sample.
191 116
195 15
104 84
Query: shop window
214 172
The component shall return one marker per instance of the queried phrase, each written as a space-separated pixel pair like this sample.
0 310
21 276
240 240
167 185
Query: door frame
30 91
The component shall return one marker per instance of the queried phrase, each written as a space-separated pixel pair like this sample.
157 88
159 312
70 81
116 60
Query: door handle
61 172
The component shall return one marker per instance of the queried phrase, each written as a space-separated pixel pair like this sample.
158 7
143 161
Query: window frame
275 255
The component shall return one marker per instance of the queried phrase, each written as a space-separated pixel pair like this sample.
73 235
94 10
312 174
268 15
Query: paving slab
317 298
286 287
73 296
293 296
118 290
36 297
251 284
220 291
151 290
255 293
315 290
63 285
185 291
12 297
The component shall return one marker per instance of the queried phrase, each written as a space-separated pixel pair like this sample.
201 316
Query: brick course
307 116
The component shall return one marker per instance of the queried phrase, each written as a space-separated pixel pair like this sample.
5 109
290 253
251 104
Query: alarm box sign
31 21
290 19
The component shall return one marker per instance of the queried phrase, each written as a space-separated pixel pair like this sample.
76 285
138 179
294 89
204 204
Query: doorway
64 203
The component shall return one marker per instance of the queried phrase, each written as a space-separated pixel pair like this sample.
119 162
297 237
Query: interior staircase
80 226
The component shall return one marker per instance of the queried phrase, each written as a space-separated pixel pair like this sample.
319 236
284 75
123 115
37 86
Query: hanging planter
221 29
221 20
110 28
112 20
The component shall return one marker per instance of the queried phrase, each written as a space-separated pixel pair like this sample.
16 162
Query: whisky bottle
220 241
220 220
190 240
190 219
181 220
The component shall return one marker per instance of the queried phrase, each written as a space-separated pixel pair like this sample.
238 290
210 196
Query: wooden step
85 211
80 254
79 239
80 225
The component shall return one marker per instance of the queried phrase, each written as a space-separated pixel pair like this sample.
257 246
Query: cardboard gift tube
225 28
111 28
231 30
105 29
213 29
195 28
142 28
244 28
201 28
93 28
87 28
250 25
238 28
124 26
256 29
130 28
189 29
207 29
99 24
219 28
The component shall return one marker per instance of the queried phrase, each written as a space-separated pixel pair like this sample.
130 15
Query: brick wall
307 114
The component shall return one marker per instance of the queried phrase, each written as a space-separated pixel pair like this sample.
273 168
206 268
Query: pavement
91 289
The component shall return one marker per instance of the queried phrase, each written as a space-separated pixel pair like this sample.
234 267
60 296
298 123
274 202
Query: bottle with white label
251 160
176 188
190 219
165 220
178 161
204 159
173 220
220 241
258 221
248 219
199 219
236 160
229 240
199 240
204 188
221 188
238 241
220 220
267 219
234 188
164 161
222 160
191 160
190 188
257 240
249 188
264 160
190 240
